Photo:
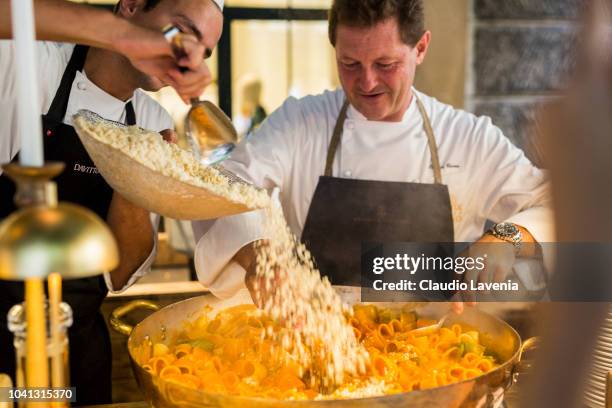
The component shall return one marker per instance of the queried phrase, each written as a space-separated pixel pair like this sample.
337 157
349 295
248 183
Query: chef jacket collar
98 100
354 114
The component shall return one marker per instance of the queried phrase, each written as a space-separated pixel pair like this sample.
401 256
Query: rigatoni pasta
231 354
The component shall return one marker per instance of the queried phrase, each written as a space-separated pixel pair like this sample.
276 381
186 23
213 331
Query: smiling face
377 68
201 18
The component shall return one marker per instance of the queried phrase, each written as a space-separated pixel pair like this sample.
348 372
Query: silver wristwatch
508 232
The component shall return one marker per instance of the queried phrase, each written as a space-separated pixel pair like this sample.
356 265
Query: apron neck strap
335 140
130 115
62 95
431 140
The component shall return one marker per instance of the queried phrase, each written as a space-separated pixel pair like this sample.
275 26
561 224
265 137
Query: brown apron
346 212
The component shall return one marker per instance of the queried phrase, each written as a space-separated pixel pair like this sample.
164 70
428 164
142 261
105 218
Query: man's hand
247 258
193 74
169 136
458 306
499 258
150 53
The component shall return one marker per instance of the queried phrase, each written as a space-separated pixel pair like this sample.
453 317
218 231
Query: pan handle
6 382
609 390
122 327
521 366
531 343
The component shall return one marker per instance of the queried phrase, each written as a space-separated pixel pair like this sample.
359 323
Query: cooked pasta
233 353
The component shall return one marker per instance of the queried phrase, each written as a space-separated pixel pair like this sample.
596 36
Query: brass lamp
45 238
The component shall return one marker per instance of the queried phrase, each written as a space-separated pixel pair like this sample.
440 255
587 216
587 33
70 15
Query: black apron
345 212
80 183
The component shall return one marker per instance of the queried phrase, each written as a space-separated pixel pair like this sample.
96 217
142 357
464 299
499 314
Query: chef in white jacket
378 161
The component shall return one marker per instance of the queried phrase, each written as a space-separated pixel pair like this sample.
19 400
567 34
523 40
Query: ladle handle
173 36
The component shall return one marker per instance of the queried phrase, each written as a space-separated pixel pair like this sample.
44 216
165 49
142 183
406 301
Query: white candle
28 110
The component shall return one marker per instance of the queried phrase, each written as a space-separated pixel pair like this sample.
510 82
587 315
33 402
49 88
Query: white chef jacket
487 176
52 61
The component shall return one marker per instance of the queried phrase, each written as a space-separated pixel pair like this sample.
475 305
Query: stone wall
521 56
442 75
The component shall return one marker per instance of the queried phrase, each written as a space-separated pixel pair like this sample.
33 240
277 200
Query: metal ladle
207 128
206 122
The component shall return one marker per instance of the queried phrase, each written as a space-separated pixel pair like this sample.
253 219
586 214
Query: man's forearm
146 48
64 21
133 231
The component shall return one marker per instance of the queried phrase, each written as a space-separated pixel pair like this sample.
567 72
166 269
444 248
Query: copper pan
484 391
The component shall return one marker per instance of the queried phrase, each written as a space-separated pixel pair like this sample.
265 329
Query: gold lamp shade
38 240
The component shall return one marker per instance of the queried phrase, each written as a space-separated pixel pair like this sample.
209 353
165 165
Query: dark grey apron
89 341
345 212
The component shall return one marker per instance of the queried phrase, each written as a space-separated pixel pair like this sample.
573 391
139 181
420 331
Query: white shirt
52 61
487 176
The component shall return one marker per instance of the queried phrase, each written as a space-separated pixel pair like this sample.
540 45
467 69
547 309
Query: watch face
506 229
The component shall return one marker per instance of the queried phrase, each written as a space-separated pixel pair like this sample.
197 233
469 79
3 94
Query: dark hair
150 4
367 13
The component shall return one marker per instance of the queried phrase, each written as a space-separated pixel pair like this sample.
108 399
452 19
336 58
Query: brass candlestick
45 237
